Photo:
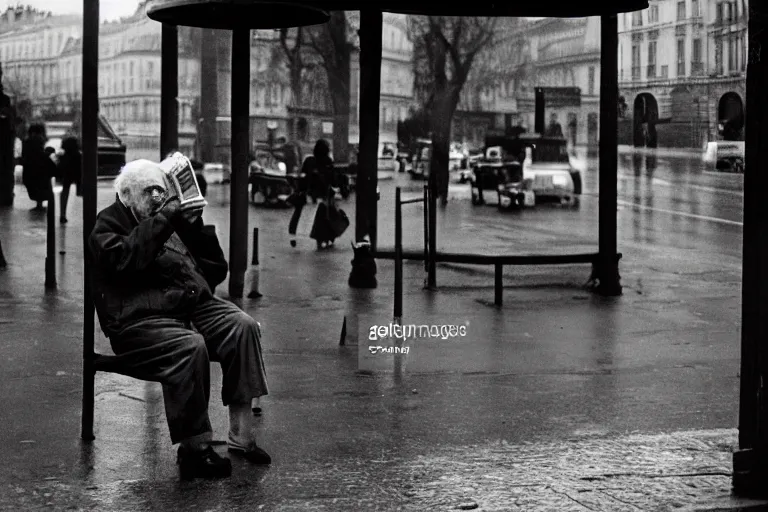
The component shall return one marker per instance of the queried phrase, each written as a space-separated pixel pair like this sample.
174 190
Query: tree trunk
443 109
298 100
339 83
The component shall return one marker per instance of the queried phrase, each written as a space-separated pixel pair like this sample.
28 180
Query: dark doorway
646 115
573 125
730 117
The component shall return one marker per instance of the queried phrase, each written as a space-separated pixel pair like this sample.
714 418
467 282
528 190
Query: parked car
726 155
111 150
217 173
548 167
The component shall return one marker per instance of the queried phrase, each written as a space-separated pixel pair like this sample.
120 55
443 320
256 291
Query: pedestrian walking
38 166
318 181
69 171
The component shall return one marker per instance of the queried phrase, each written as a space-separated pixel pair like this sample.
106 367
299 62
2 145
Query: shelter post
169 90
240 111
750 462
606 272
90 110
208 89
366 211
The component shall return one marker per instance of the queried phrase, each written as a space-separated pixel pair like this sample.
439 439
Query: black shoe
256 411
251 453
293 243
63 220
203 464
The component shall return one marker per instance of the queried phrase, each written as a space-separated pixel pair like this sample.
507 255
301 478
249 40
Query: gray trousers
166 350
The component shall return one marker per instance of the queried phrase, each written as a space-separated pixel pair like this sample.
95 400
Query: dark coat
135 275
38 169
320 176
70 162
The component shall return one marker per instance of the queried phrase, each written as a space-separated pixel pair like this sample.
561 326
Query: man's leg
166 351
64 199
233 338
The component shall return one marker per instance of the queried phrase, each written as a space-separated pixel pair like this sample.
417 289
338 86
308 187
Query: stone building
682 73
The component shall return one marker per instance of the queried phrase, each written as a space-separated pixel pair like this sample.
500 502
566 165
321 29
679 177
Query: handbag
338 220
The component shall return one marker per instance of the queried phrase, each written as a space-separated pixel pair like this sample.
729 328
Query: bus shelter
240 16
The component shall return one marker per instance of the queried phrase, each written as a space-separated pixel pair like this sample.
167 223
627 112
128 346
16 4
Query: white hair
134 177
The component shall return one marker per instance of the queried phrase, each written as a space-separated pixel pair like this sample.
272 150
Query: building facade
682 73
553 52
397 97
42 56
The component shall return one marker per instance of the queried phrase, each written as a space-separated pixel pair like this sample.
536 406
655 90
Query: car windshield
551 152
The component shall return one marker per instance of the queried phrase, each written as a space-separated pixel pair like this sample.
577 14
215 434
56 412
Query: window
743 52
697 65
681 57
50 46
150 74
732 57
680 10
637 19
591 80
695 11
651 71
653 14
719 56
131 76
719 14
636 61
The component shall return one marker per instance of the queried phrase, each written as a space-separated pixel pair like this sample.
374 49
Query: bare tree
445 47
294 56
334 44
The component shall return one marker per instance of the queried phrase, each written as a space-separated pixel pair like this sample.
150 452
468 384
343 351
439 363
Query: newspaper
182 179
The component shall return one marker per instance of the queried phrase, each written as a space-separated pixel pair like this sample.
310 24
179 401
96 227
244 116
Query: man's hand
171 207
191 214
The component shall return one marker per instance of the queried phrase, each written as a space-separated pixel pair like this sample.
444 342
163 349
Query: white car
548 170
727 155
217 173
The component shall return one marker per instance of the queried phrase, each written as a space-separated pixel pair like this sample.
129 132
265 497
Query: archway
646 114
730 116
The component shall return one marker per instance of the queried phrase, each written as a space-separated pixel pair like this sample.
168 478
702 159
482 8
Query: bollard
254 293
3 263
499 285
50 239
398 258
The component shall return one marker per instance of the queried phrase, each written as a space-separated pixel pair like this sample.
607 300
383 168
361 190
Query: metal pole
426 228
750 463
238 212
398 257
608 270
255 255
431 266
538 116
499 285
89 110
169 90
370 89
50 241
208 89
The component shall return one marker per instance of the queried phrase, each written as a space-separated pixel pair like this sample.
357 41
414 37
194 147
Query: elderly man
155 267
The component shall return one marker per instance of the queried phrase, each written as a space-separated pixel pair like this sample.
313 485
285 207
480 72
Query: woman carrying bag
330 221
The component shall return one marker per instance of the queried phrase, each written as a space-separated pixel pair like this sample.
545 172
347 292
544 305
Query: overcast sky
108 9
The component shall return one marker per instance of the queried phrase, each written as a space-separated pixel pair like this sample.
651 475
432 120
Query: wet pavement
559 400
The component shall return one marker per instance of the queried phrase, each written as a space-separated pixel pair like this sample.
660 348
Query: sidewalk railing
498 261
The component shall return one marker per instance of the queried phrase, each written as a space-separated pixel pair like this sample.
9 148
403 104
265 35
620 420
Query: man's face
149 200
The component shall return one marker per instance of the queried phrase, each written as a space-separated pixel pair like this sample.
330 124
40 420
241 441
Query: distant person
38 166
70 172
316 180
554 129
